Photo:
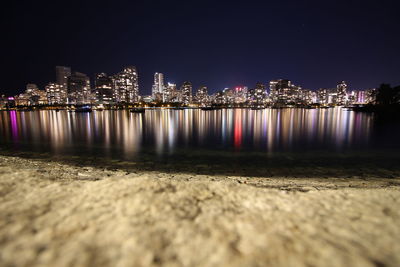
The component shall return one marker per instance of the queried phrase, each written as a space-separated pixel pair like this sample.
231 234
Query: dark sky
216 43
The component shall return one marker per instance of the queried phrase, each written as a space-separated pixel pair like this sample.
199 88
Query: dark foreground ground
248 212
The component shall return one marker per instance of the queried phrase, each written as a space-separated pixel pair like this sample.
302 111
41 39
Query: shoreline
319 164
59 214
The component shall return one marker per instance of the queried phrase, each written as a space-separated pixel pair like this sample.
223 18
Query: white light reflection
121 133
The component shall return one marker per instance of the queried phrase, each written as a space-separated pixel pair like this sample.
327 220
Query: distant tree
387 95
397 94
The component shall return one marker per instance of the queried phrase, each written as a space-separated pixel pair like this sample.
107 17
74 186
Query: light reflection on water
126 134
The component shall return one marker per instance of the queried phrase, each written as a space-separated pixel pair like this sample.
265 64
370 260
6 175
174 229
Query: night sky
216 43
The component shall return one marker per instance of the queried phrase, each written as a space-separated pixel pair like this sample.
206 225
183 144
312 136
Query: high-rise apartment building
202 96
158 86
341 93
322 96
62 74
170 93
103 90
186 90
259 94
78 88
126 86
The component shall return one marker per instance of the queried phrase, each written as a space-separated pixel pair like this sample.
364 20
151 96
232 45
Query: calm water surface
163 132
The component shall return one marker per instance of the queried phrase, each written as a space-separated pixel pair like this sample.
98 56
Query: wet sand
54 213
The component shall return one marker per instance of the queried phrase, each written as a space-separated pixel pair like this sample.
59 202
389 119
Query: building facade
56 94
103 91
62 74
126 86
284 92
186 91
341 93
157 91
78 89
202 96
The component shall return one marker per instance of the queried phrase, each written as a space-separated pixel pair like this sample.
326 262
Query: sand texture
56 214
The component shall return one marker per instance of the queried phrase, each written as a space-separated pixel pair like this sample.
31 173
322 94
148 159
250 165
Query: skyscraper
341 93
62 74
103 90
126 86
273 90
259 94
202 96
78 88
158 86
170 93
322 96
186 90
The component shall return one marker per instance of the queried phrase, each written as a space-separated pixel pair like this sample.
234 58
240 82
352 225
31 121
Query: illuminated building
186 91
240 94
322 96
170 93
62 74
202 96
327 96
158 87
40 98
250 96
3 102
21 100
341 93
31 88
31 97
281 91
147 99
231 96
126 86
56 94
284 92
259 95
357 97
218 98
370 96
306 97
351 97
7 102
103 90
228 97
332 96
273 90
78 88
361 97
36 96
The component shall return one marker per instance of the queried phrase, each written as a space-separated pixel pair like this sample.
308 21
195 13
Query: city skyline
160 80
150 90
221 44
122 88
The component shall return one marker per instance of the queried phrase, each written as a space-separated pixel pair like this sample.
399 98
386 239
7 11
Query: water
167 133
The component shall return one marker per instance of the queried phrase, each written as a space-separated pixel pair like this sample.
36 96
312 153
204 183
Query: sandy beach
58 214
